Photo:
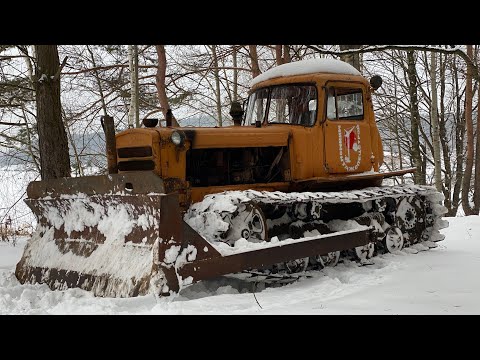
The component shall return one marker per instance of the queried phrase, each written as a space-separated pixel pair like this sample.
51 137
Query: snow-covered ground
13 184
438 281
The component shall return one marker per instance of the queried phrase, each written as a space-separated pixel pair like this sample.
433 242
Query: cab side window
256 107
344 104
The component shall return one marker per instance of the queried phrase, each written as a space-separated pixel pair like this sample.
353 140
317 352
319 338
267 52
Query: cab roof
304 67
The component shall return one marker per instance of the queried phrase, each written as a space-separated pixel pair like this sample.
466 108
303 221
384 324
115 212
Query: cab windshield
285 104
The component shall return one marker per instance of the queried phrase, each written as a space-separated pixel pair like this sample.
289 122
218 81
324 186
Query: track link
403 216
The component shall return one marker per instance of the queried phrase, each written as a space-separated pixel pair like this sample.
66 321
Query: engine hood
237 136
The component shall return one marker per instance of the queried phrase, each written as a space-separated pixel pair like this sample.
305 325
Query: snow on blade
117 264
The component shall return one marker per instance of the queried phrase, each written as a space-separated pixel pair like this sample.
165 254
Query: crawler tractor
293 185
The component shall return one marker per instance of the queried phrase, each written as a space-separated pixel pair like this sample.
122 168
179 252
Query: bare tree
282 54
52 138
160 82
415 119
436 131
133 114
467 177
278 54
459 140
444 137
286 54
235 73
476 193
213 49
254 60
351 58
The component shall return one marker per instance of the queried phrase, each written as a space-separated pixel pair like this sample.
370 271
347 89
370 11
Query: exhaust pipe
111 145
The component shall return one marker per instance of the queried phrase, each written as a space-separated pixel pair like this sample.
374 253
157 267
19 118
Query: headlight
178 138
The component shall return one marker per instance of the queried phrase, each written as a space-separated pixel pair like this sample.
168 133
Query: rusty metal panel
138 182
135 138
98 253
204 249
112 245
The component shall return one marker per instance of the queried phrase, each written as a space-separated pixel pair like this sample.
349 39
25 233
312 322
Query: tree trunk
396 132
436 133
286 54
467 176
414 118
131 110
459 142
281 54
133 114
235 73
254 60
447 189
52 138
160 82
352 59
278 55
217 85
476 193
136 92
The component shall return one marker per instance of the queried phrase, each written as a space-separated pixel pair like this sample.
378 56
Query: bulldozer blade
201 269
101 236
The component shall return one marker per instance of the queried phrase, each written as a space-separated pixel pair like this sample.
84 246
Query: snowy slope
439 281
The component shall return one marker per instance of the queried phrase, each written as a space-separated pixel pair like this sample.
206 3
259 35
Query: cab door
346 130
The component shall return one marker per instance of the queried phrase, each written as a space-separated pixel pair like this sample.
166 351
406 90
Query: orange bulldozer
293 185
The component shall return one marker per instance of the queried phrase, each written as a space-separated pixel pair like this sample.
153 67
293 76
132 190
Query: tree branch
374 48
57 74
107 67
10 105
11 124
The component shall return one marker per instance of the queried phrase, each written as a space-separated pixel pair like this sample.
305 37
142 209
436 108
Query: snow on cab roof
307 67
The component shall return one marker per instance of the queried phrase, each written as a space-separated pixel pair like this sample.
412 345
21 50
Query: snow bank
400 283
310 66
